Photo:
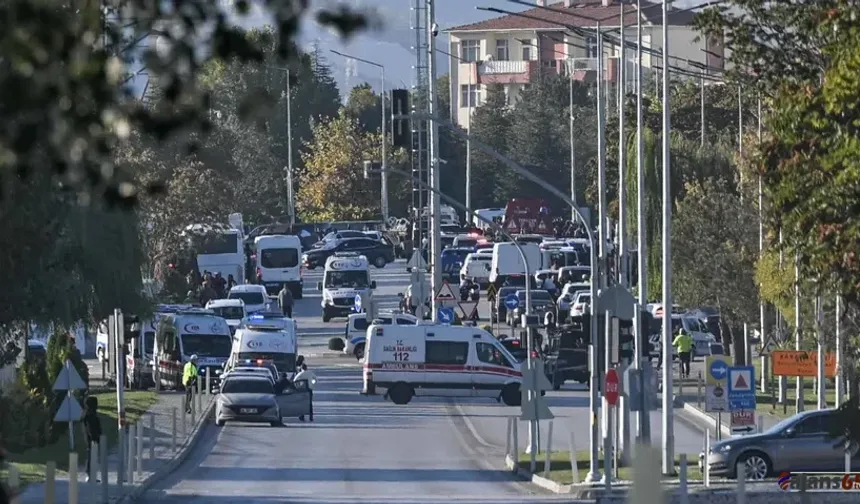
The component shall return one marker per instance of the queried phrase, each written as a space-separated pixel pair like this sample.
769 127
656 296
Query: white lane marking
471 426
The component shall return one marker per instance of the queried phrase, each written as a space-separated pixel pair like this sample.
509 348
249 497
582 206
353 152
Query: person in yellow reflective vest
189 380
684 343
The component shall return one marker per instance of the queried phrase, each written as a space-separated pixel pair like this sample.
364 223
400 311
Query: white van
346 276
232 310
264 338
436 360
277 260
507 260
191 332
477 267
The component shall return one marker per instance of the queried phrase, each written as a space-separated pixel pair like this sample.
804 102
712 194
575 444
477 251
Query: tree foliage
491 124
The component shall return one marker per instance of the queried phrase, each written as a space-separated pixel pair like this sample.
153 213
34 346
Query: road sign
467 309
69 411
802 363
446 315
491 292
741 386
534 407
512 302
446 294
357 303
768 346
417 262
743 422
716 398
512 225
611 388
617 300
69 379
717 367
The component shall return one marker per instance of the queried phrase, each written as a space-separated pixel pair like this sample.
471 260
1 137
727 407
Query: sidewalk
165 458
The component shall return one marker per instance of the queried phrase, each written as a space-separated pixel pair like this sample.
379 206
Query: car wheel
326 317
756 465
277 423
379 262
401 394
511 395
220 423
359 351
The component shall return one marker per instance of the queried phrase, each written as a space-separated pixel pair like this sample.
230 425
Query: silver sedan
247 398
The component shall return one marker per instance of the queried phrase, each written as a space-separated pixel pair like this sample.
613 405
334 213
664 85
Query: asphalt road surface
365 449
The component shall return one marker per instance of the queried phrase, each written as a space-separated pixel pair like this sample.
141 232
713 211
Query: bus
218 249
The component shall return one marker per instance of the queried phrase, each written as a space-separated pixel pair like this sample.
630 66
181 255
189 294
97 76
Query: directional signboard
741 386
512 302
446 315
716 396
491 292
357 303
743 422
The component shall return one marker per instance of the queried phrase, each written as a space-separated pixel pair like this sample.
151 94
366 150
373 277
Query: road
365 449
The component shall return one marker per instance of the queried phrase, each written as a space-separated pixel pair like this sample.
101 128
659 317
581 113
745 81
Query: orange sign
802 363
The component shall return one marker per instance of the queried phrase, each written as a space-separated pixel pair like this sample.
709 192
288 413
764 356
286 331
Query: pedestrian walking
286 301
93 427
189 380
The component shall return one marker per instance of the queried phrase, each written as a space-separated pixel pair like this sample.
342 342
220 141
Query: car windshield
207 345
230 312
148 341
466 242
355 279
249 298
279 258
540 295
240 386
785 424
454 254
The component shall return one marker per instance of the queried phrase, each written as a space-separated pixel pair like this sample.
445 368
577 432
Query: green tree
365 106
491 124
333 187
714 250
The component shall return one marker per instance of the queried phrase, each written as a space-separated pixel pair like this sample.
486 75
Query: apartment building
513 50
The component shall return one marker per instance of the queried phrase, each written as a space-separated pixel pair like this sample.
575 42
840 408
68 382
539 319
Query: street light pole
668 386
435 222
601 164
572 142
291 197
384 127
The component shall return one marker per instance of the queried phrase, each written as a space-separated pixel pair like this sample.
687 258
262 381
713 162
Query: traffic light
401 135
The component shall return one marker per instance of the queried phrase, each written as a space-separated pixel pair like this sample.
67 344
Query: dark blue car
452 260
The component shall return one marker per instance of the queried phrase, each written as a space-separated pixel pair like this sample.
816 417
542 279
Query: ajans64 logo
819 482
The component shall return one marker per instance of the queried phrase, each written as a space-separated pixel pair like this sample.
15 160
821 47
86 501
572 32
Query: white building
512 49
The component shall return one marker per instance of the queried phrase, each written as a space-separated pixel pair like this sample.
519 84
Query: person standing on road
684 343
189 380
311 380
285 301
93 427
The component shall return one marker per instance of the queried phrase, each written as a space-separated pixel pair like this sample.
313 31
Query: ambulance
194 331
266 338
404 361
347 275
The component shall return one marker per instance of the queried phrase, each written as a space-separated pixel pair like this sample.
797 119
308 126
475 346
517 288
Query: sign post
611 389
802 363
70 410
446 315
716 395
743 422
742 402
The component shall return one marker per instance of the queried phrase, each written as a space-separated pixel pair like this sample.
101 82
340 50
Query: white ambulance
266 338
190 332
347 275
435 360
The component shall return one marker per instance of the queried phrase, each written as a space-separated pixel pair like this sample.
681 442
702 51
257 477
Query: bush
24 416
336 344
60 349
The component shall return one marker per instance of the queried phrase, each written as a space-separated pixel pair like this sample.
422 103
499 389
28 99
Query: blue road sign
741 385
719 369
446 315
512 301
357 303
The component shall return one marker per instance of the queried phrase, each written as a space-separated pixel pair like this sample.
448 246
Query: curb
540 481
171 465
706 419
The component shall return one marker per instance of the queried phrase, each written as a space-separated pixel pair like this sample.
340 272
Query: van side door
491 369
445 367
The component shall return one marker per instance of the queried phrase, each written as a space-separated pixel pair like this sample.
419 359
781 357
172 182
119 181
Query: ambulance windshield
351 279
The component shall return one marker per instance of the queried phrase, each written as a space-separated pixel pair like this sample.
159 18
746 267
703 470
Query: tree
491 124
715 248
333 187
365 107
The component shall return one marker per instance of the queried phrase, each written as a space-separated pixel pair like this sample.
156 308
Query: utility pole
291 197
668 386
798 398
436 230
839 390
572 142
761 307
601 162
384 175
702 106
644 419
819 336
469 151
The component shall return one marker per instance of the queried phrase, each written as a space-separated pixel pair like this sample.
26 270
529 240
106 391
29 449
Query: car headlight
224 400
723 449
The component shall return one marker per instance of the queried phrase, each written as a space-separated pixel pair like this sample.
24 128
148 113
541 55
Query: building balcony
493 67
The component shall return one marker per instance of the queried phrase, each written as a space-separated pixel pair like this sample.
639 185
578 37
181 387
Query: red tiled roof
577 14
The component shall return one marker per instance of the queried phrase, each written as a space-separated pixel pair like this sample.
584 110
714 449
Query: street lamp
384 191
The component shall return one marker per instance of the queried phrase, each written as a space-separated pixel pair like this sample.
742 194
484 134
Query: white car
232 310
580 303
477 267
356 329
255 297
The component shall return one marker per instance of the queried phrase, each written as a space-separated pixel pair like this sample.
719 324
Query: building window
591 46
502 53
527 52
469 50
469 95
